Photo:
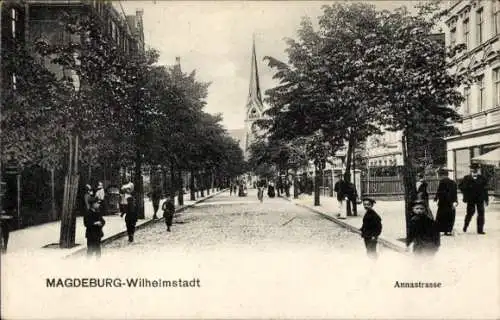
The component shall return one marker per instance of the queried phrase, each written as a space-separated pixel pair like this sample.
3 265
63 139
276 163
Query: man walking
474 189
340 190
130 214
446 196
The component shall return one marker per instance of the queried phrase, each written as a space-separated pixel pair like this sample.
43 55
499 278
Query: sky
215 39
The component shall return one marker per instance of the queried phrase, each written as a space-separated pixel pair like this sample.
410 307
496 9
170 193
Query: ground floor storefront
462 149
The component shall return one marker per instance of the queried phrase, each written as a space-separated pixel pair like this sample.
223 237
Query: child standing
94 222
423 232
168 208
371 228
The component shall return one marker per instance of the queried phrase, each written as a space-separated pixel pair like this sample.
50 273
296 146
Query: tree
417 94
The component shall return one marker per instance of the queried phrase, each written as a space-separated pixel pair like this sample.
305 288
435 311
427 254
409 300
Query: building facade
476 25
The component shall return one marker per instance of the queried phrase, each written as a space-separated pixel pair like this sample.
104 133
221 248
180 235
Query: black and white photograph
249 159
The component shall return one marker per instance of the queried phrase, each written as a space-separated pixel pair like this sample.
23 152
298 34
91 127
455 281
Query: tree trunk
138 185
171 191
53 194
317 181
354 204
191 187
409 179
68 219
295 185
202 185
206 178
180 184
347 173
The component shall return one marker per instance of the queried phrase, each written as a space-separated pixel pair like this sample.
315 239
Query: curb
386 243
144 224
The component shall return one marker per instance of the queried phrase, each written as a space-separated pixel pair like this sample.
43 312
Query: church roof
254 94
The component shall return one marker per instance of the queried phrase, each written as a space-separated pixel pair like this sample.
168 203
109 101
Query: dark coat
446 195
424 233
474 190
372 224
446 192
131 214
93 232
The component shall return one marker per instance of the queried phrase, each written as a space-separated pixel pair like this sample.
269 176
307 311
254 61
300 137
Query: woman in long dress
446 196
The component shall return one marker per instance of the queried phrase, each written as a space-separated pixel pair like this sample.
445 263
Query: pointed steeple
254 95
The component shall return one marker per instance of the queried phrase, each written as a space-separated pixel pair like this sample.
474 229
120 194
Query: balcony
480 120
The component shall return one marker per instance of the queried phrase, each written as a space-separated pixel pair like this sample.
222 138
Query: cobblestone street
228 221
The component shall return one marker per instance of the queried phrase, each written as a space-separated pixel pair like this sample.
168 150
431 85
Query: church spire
254 95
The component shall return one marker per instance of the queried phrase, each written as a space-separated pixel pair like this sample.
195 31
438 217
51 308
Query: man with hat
475 191
371 228
446 195
93 222
5 220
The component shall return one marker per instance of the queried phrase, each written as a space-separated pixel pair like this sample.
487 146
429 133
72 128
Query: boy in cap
371 228
168 208
93 222
423 232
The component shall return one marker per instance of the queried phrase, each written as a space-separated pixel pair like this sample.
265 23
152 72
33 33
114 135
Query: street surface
271 259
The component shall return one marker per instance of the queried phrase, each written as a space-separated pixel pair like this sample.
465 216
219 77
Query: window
481 96
466 33
496 80
453 37
496 16
467 100
479 26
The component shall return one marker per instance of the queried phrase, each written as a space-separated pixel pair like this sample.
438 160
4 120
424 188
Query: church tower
254 107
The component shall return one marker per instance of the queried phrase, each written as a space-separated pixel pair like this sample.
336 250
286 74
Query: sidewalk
393 222
33 239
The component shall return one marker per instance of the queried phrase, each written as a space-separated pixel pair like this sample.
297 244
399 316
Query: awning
491 158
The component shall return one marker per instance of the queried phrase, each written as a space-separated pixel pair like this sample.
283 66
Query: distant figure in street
287 188
261 185
371 228
475 191
235 188
156 190
340 189
230 188
446 195
271 193
101 195
94 222
168 208
5 226
130 213
423 232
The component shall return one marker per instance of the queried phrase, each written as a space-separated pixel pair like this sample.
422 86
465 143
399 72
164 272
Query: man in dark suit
474 189
446 196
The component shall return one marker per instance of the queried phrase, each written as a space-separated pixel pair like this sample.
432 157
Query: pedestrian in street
94 223
130 214
422 194
5 227
423 231
271 193
101 196
168 208
156 190
475 191
340 189
446 195
230 188
123 197
371 228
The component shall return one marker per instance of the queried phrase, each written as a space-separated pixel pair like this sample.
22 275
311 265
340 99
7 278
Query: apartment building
476 24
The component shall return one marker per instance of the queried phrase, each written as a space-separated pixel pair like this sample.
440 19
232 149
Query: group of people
423 230
94 221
